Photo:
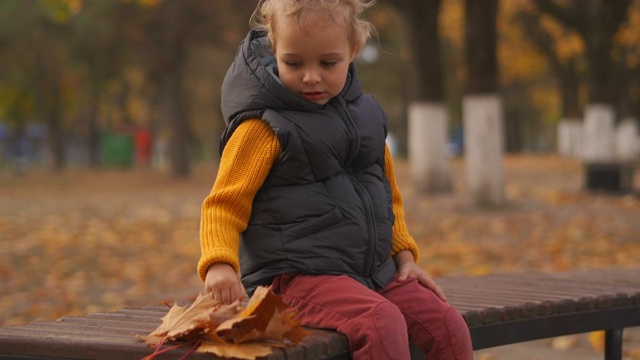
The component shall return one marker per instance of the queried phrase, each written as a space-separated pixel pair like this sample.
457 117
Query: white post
570 137
428 158
483 148
627 140
599 133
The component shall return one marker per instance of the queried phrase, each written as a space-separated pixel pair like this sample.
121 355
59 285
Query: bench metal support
613 344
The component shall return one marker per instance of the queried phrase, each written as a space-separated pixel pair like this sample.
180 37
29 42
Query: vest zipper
372 232
364 195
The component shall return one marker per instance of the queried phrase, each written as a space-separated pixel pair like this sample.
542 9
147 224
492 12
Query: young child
305 197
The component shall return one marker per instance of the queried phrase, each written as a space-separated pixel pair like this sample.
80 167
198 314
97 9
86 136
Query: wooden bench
500 309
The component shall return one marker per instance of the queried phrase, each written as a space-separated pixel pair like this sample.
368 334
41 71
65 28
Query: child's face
312 62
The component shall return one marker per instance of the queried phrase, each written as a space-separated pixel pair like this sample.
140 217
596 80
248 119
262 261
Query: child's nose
311 76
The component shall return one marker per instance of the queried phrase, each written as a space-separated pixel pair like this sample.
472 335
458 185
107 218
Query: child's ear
353 54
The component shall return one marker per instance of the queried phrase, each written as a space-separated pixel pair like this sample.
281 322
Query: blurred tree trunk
93 131
179 143
427 111
48 100
628 94
175 53
627 134
566 72
596 21
480 46
48 83
570 128
482 108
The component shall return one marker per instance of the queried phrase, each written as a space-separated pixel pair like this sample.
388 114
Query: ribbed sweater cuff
217 255
405 242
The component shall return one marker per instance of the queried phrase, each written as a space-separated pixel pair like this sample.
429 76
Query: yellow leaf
596 339
249 350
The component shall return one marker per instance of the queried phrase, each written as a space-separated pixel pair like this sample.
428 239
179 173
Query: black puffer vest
325 207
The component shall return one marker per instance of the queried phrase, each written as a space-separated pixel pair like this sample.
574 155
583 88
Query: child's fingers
431 284
403 274
225 295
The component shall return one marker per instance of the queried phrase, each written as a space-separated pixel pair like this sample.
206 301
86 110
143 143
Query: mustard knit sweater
246 161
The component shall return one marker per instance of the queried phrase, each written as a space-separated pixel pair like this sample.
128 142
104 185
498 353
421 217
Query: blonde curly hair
309 12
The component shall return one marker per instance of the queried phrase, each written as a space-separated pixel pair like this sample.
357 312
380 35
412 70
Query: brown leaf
264 307
263 302
284 326
226 312
180 321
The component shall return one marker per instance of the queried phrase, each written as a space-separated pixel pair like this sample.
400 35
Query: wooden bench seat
500 309
505 309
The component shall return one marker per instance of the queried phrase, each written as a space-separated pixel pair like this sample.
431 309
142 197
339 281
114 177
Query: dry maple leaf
180 321
214 344
285 326
248 350
226 312
265 318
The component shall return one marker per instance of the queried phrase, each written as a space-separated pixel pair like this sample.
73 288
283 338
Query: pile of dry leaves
231 331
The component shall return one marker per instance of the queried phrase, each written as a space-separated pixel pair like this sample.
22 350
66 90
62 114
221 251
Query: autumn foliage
233 331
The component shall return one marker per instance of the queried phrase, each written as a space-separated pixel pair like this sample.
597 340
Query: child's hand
408 269
223 283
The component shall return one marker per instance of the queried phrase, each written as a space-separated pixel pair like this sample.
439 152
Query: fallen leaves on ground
597 341
565 343
633 354
232 331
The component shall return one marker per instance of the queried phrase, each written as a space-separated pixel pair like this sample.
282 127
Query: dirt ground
79 241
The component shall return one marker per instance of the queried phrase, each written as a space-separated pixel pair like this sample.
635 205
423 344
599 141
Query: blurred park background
110 120
136 82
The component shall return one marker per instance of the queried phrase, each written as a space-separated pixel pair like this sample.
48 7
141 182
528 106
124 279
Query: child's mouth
313 95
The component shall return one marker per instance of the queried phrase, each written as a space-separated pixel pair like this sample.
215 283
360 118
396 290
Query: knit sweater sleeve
402 240
245 163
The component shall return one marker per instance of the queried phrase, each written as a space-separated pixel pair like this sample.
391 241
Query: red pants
379 325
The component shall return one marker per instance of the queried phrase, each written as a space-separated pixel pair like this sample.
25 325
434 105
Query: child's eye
328 63
292 63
